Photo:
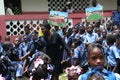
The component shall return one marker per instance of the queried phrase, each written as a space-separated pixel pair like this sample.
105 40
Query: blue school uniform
79 53
107 75
25 47
90 38
20 63
113 54
1 48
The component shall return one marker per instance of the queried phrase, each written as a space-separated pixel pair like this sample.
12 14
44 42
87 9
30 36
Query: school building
34 11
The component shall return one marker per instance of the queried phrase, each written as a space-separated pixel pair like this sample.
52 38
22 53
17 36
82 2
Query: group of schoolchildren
94 52
93 34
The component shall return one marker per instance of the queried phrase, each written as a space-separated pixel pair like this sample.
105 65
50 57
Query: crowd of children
86 49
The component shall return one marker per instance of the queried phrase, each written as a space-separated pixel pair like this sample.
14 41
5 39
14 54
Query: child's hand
20 59
86 44
71 54
63 61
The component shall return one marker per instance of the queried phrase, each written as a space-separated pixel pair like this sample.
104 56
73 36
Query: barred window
60 4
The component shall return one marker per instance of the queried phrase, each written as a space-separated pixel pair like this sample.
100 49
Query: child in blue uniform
96 61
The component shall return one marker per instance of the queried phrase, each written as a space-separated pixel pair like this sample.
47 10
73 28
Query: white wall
108 4
2 9
42 5
34 5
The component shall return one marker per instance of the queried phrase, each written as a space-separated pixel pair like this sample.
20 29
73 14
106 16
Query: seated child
74 70
41 68
96 61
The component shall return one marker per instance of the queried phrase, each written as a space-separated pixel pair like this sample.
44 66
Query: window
16 5
60 4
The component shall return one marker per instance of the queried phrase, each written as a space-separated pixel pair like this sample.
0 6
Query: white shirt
9 11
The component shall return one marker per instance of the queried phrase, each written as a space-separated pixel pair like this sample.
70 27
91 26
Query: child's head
111 39
7 46
99 40
89 29
117 38
104 33
17 41
76 62
27 29
115 27
40 72
44 57
95 55
73 46
40 67
7 38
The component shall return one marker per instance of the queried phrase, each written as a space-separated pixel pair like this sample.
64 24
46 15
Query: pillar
2 8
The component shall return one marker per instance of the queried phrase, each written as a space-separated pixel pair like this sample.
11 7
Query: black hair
82 29
91 46
78 42
99 40
89 25
7 46
111 38
27 27
46 25
45 21
118 36
44 57
7 38
94 3
40 72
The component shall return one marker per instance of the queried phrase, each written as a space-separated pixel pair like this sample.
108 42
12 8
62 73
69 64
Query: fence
13 25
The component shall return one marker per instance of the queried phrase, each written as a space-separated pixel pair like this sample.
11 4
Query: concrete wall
34 5
108 4
42 5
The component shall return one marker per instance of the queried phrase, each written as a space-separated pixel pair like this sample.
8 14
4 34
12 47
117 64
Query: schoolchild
96 61
113 54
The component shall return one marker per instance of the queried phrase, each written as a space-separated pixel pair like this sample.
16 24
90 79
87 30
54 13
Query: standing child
96 61
75 70
113 54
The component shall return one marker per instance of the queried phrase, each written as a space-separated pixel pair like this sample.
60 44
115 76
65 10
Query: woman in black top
51 44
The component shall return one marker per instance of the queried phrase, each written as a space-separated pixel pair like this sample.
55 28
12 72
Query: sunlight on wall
2 10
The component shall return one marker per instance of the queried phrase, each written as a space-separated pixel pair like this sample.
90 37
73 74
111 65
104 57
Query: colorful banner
94 13
58 18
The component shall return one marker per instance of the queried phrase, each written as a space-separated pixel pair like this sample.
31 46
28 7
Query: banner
94 13
58 18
